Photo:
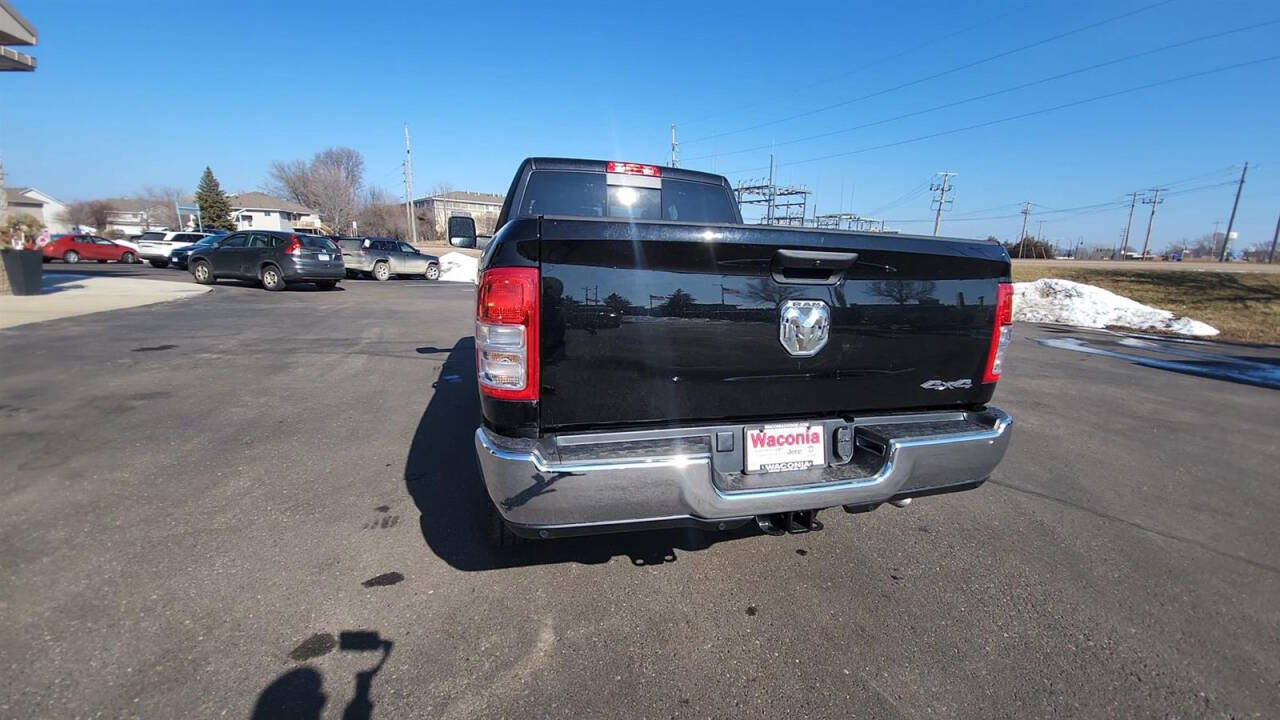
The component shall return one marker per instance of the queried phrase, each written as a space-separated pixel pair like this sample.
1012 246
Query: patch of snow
1050 300
459 267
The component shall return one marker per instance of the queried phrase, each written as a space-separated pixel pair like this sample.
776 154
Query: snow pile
459 267
1050 300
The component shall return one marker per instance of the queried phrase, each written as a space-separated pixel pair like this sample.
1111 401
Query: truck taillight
627 168
1001 334
507 333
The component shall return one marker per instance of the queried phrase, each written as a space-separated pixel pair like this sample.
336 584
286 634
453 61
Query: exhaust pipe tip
900 503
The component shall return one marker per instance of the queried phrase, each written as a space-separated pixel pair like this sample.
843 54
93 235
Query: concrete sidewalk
68 295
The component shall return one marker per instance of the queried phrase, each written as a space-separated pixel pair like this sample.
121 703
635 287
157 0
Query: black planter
23 270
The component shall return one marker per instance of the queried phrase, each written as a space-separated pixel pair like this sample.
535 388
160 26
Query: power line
1078 210
928 43
1020 116
994 93
967 213
1222 171
1202 187
937 75
909 195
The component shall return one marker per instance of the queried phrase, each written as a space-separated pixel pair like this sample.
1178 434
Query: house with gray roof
260 211
42 206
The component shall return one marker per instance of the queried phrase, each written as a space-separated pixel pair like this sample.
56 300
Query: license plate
323 256
775 448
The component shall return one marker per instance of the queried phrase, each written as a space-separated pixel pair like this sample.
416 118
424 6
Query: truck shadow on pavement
443 478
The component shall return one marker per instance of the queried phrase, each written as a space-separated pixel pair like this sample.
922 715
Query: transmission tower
848 221
784 204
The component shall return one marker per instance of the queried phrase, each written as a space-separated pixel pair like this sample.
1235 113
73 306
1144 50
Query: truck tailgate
664 322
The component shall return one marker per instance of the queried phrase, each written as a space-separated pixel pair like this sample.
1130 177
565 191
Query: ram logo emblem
805 326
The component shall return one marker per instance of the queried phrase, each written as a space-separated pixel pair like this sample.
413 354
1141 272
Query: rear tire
271 278
203 273
433 272
128 258
159 263
381 271
71 256
327 284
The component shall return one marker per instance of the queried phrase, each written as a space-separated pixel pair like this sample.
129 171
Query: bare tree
382 215
331 184
1258 252
90 213
160 204
289 180
763 290
903 291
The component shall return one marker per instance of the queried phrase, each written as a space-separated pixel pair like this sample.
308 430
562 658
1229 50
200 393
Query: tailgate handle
810 267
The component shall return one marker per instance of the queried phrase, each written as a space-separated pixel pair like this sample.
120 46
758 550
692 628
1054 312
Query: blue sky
131 94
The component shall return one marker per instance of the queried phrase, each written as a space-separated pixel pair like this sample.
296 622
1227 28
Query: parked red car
76 248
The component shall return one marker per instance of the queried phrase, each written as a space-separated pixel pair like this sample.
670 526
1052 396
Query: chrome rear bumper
604 482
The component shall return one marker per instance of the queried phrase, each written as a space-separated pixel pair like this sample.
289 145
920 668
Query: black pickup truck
647 360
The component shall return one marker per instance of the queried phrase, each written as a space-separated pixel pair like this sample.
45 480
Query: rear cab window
588 194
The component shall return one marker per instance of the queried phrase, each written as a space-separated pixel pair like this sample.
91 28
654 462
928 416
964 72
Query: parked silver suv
384 258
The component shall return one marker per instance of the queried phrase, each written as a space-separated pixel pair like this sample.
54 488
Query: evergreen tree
215 208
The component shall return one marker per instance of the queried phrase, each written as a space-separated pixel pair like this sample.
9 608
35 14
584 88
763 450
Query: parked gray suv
272 258
383 258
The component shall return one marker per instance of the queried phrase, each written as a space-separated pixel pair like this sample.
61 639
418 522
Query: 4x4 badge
947 384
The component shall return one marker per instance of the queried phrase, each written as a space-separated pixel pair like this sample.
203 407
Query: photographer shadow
443 478
299 693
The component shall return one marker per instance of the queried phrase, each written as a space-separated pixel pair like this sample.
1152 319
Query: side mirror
462 231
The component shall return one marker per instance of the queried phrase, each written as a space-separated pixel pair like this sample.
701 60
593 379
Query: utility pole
675 148
1133 200
408 187
1026 213
1271 257
1226 239
1153 201
942 188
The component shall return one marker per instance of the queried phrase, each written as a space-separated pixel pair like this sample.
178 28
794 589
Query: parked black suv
272 258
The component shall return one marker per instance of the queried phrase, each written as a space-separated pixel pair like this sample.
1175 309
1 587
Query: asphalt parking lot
246 500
